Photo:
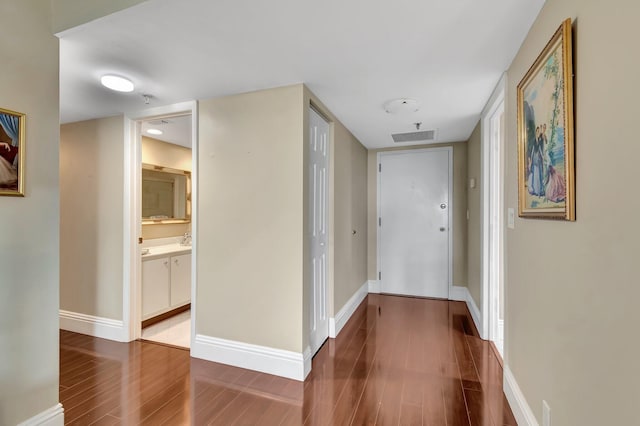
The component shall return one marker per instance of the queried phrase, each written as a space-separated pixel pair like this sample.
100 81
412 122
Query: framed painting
546 173
12 128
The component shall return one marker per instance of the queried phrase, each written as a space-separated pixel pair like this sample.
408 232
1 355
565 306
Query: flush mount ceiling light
117 83
401 106
154 131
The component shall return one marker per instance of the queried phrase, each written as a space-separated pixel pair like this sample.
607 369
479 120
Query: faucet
186 239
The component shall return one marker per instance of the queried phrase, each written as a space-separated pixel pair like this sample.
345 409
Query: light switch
472 183
511 218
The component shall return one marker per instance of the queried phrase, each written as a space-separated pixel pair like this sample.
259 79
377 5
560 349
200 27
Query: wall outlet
511 218
546 414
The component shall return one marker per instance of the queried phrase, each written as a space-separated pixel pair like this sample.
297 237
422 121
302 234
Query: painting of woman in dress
545 133
11 131
543 119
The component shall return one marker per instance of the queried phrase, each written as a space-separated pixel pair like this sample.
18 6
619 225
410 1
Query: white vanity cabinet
166 283
180 293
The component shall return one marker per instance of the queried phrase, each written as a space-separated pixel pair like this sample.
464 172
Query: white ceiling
355 55
175 130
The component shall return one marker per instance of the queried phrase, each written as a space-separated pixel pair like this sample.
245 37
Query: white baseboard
53 416
292 365
336 323
374 286
521 410
104 328
458 293
462 294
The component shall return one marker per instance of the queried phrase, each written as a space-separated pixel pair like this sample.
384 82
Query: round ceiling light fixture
117 83
402 106
154 131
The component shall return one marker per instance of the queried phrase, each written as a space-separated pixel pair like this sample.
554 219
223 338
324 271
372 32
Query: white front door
318 186
414 196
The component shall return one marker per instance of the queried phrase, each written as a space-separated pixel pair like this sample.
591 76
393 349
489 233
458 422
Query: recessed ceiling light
401 106
154 131
117 83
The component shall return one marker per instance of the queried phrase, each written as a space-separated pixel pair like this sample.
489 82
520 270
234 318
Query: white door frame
496 102
132 259
449 213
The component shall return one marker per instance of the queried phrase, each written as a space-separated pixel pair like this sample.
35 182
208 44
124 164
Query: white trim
521 410
449 149
292 365
105 328
337 322
462 294
53 416
458 293
132 286
307 356
496 100
374 286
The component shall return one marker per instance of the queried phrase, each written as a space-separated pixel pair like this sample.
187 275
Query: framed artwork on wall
12 128
546 171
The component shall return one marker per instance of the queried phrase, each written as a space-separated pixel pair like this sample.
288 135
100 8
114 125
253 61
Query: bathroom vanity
166 279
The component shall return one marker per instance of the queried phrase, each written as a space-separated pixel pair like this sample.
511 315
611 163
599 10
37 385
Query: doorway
493 218
414 222
161 224
319 130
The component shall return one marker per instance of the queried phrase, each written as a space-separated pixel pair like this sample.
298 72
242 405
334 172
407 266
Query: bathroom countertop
156 252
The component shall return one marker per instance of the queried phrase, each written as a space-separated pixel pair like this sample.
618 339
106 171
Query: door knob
443 206
321 244
442 229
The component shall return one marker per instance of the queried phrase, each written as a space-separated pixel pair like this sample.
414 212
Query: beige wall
72 13
165 154
253 193
571 288
250 232
91 219
474 242
170 155
459 210
29 257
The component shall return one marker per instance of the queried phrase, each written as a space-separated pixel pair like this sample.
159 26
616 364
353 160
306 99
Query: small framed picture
546 171
12 129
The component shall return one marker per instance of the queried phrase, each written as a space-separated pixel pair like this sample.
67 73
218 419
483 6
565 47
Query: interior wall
177 157
251 200
571 287
91 219
350 215
459 209
474 224
29 229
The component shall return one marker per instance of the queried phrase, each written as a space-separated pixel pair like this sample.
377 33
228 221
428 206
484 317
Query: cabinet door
155 286
180 279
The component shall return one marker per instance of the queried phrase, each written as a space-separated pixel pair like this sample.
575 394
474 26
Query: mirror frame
187 174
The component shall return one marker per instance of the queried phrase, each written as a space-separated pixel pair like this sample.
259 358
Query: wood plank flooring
398 361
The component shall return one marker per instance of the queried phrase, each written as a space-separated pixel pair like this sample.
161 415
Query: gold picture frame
12 150
546 170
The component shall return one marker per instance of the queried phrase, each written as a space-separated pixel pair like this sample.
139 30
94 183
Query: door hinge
380 167
379 275
379 221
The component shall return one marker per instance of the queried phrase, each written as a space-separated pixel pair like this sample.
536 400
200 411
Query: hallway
397 361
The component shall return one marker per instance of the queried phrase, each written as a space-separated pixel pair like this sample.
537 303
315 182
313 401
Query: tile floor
173 331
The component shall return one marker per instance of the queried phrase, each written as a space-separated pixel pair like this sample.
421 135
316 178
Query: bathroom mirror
166 195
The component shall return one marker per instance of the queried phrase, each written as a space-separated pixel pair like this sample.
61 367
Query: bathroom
166 230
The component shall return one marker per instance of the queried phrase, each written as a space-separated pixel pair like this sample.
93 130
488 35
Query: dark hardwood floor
398 361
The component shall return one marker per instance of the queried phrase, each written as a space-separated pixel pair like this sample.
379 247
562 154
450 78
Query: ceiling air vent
423 136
